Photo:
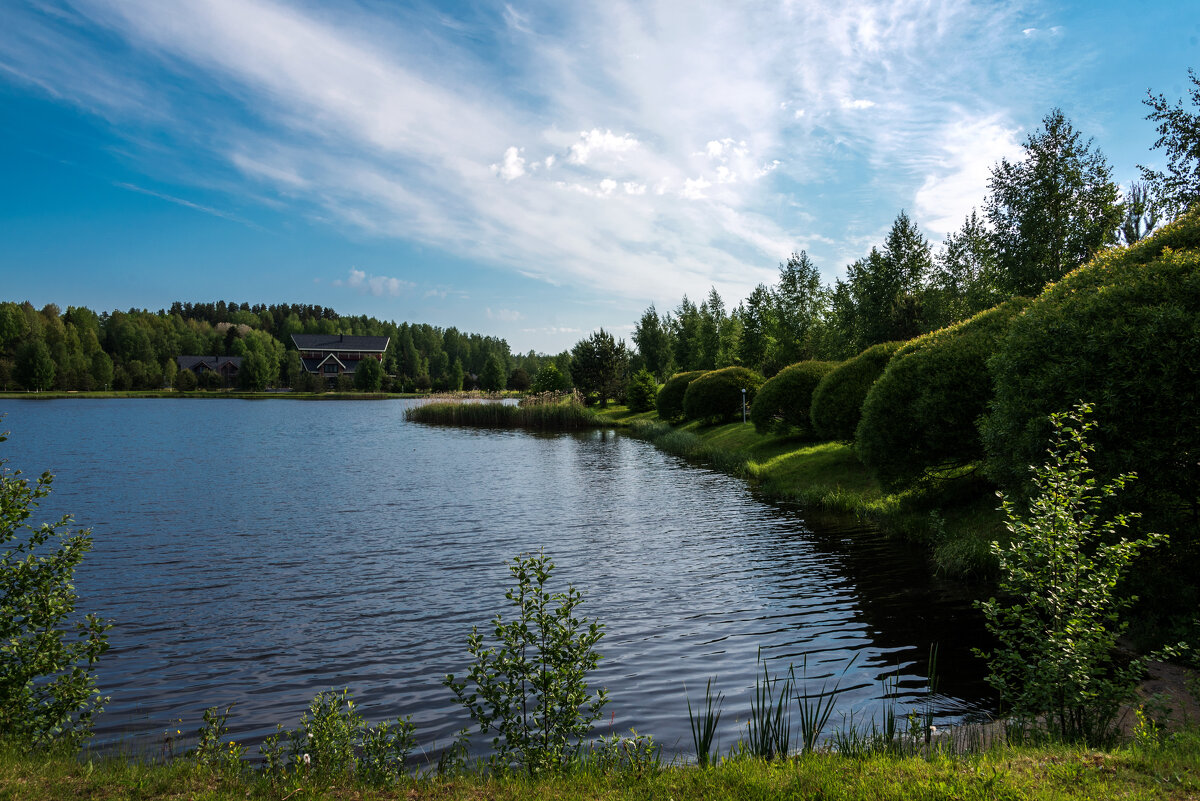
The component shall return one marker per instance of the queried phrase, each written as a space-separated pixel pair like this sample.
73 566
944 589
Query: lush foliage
1056 631
719 395
642 391
47 689
784 401
550 379
669 402
837 400
1121 332
920 415
529 687
599 365
1178 187
368 376
1054 209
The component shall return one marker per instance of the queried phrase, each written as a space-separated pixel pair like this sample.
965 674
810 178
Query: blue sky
529 170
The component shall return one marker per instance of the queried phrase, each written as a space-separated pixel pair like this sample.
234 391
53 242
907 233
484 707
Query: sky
528 170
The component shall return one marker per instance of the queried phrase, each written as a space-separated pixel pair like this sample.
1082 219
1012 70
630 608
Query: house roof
210 362
340 342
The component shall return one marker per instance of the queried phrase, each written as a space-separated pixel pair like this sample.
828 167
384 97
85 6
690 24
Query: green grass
1170 771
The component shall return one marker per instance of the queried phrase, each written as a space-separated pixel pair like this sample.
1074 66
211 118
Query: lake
258 552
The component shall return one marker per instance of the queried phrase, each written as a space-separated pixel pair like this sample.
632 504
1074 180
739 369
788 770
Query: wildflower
307 761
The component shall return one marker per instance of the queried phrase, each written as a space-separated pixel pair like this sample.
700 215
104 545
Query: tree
641 392
518 380
1054 209
368 376
1057 638
185 381
530 687
759 325
964 279
598 365
653 342
492 378
1179 134
47 689
550 379
1141 214
798 302
35 368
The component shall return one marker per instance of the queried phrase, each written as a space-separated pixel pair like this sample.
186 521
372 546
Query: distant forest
80 349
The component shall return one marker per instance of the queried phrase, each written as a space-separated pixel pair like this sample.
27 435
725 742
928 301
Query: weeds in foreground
704 725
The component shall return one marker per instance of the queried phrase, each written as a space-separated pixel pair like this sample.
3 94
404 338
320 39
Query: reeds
704 728
562 416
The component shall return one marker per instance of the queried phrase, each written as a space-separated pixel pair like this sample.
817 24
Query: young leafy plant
1057 631
529 687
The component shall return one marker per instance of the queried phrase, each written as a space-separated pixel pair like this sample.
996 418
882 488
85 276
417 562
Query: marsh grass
562 416
704 725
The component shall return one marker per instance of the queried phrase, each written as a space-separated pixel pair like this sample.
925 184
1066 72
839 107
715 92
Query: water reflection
262 552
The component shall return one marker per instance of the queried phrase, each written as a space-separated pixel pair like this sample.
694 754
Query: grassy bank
1167 771
957 519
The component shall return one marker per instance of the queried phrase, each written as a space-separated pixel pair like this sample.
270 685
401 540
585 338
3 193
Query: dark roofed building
333 355
227 367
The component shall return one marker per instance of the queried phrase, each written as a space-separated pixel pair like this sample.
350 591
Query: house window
331 368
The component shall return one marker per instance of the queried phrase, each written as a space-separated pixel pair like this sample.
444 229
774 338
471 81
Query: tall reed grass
562 416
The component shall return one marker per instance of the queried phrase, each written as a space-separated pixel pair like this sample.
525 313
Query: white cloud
633 188
693 188
504 315
964 151
377 285
857 104
513 166
595 142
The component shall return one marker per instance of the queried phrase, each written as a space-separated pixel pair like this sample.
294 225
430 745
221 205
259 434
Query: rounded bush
670 398
921 414
716 396
837 401
641 392
784 401
1123 334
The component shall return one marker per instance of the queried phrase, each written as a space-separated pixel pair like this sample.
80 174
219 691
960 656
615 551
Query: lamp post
743 405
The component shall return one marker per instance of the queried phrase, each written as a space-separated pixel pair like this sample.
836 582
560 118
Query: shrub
47 689
784 401
641 392
185 381
670 398
921 414
530 686
1122 332
1054 661
717 396
837 401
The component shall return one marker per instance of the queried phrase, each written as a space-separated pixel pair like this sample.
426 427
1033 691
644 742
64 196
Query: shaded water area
259 552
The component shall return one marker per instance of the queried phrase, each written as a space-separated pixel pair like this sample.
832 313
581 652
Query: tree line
80 349
1046 214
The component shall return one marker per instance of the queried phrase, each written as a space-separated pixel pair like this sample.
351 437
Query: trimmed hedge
670 398
921 414
837 401
1122 333
784 401
716 396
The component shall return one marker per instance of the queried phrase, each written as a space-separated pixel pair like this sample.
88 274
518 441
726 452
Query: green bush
670 398
837 401
717 395
1123 333
641 392
48 690
921 414
784 401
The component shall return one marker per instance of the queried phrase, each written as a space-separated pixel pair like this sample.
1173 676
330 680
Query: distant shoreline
137 394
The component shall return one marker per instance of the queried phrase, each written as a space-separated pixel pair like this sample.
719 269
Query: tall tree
964 279
653 342
798 304
758 328
599 364
1178 188
1054 209
1141 214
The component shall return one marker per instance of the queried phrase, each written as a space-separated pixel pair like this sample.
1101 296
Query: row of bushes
1122 333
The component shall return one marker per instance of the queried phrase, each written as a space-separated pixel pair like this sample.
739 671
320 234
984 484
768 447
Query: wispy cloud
504 315
644 148
377 285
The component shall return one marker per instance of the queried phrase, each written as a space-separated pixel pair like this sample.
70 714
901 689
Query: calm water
258 552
